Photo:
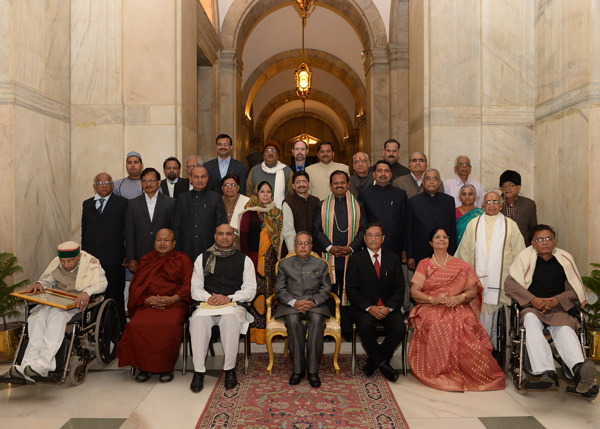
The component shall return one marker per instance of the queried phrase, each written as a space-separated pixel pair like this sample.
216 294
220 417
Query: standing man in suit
375 286
146 215
429 209
303 286
516 207
172 169
223 165
184 185
412 183
197 215
391 154
131 186
103 235
299 152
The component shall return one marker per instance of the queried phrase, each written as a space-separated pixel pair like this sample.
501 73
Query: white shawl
279 190
489 267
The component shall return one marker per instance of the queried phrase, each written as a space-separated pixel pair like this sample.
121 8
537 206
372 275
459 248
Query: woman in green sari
466 212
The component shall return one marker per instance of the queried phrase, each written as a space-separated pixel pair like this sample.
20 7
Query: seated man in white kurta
72 271
222 275
544 280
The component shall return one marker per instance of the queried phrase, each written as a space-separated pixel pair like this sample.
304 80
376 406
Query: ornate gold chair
276 327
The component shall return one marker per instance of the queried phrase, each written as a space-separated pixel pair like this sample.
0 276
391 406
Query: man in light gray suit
145 216
302 287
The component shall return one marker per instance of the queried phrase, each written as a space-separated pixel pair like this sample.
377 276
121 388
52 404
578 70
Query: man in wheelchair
72 271
545 283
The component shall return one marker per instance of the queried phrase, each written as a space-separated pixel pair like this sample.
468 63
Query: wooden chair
276 327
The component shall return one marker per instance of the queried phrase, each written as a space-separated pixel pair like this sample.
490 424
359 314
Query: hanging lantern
303 77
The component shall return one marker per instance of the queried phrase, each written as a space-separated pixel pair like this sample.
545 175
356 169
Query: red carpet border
268 401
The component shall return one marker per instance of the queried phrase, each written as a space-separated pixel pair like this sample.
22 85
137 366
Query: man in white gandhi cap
73 271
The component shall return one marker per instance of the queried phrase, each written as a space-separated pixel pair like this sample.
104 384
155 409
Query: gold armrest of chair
269 304
338 302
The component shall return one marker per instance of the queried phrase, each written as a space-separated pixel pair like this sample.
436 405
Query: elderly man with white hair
490 244
462 168
363 176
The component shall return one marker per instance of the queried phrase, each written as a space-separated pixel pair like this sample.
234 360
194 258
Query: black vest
548 278
228 276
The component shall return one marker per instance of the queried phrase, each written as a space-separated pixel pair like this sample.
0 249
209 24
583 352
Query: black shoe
143 376
549 378
388 372
314 380
369 368
585 373
230 379
295 379
165 377
14 373
33 374
197 382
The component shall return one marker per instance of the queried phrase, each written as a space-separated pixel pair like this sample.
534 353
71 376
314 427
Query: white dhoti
540 354
46 326
232 322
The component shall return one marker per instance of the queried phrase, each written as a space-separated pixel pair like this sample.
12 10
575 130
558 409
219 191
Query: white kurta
319 177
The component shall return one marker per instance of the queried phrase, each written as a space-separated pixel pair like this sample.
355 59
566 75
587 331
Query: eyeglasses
228 234
431 179
508 186
417 160
158 240
542 239
302 243
107 183
490 202
223 145
271 150
378 235
230 185
463 164
191 166
146 181
441 237
300 182
360 161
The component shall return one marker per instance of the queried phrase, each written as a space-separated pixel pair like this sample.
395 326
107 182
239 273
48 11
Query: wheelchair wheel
108 332
77 371
515 378
500 343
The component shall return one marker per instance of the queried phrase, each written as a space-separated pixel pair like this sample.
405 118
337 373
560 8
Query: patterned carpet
268 401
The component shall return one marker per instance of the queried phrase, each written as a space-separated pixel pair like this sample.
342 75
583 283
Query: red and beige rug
268 401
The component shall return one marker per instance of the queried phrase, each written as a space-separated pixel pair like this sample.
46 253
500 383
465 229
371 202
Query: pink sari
450 350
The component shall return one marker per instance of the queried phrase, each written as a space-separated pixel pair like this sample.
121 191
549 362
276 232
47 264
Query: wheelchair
520 367
91 334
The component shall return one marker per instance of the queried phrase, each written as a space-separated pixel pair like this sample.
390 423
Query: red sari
450 350
152 338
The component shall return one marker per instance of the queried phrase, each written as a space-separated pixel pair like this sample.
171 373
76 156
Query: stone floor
109 398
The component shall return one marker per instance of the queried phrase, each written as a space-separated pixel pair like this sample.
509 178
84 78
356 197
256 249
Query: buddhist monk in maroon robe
159 298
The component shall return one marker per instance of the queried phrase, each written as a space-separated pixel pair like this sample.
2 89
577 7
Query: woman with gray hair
467 211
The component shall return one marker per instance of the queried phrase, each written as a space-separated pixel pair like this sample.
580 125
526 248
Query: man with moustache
172 169
131 186
362 177
298 209
462 168
223 165
388 206
321 172
299 152
146 215
339 227
197 214
391 154
273 171
517 207
184 185
103 235
412 183
429 209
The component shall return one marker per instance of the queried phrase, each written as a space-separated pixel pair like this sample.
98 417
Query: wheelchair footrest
592 393
6 378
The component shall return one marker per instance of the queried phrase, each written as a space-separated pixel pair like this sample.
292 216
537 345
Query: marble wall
34 130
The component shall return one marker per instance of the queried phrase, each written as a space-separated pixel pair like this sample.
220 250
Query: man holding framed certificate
75 272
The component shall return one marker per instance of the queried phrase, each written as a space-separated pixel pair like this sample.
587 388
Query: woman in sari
449 350
234 203
261 224
467 211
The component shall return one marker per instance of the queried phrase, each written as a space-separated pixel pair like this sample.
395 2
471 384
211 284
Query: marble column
34 131
229 99
377 109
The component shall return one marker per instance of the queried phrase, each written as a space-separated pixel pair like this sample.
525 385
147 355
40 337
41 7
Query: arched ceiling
266 35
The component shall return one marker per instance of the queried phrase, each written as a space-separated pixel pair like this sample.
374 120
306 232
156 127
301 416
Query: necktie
378 271
101 205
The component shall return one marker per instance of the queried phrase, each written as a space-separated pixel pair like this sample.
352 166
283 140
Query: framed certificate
52 297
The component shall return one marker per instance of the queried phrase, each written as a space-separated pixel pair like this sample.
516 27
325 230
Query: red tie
378 271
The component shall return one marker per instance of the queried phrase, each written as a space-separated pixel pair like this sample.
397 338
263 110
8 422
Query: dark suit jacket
428 212
525 217
364 289
214 175
104 235
139 230
302 279
388 206
182 185
165 190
